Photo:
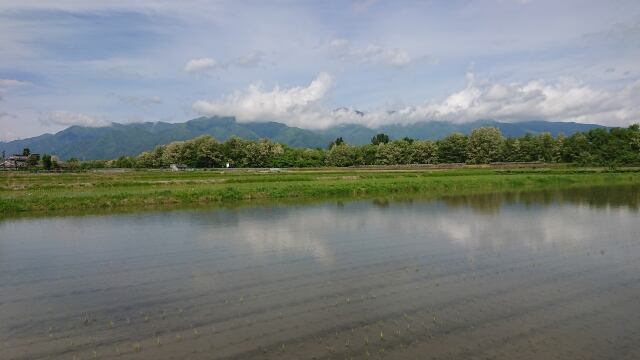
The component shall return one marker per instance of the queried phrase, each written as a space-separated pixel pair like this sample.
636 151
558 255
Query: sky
315 64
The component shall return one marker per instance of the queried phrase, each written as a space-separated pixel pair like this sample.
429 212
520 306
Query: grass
92 192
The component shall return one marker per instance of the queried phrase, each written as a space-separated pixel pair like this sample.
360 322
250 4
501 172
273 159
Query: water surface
544 275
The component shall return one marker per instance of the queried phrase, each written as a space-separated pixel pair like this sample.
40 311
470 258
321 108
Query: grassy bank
26 193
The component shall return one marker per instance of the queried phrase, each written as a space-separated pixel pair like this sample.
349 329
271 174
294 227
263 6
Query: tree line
601 146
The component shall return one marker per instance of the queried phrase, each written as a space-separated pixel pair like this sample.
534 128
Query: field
23 193
553 275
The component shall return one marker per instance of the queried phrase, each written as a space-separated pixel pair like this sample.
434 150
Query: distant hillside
433 130
131 139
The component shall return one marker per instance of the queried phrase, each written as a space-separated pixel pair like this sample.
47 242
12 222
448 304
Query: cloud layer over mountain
514 101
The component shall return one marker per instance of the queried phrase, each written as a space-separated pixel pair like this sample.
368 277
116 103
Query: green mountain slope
131 139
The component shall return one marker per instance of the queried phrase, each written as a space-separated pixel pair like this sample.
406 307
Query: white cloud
66 118
564 100
251 60
207 64
372 54
297 106
138 100
200 65
6 83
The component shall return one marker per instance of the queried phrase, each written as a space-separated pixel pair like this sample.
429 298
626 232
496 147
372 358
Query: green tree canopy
380 139
484 145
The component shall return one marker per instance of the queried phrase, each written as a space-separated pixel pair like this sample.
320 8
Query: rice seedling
120 194
158 343
137 347
178 338
381 336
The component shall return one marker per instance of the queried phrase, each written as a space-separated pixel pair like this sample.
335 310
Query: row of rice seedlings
146 317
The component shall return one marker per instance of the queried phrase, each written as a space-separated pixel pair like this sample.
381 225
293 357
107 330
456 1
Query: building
15 162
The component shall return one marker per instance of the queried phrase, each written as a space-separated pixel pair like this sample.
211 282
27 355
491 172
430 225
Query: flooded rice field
544 275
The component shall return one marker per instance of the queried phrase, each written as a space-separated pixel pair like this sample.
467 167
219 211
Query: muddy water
546 275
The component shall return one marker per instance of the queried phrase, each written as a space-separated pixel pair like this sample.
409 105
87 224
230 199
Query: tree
529 149
33 159
547 145
366 154
73 164
380 139
235 151
510 150
484 145
47 164
124 162
146 160
576 149
171 154
557 148
336 142
453 148
634 137
424 152
341 155
26 152
263 153
388 154
209 152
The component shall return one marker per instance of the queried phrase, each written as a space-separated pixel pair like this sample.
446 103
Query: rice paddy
524 275
24 193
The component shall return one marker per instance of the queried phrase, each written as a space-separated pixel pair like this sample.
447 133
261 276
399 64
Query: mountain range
131 139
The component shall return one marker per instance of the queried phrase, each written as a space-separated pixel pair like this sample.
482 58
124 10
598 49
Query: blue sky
313 63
